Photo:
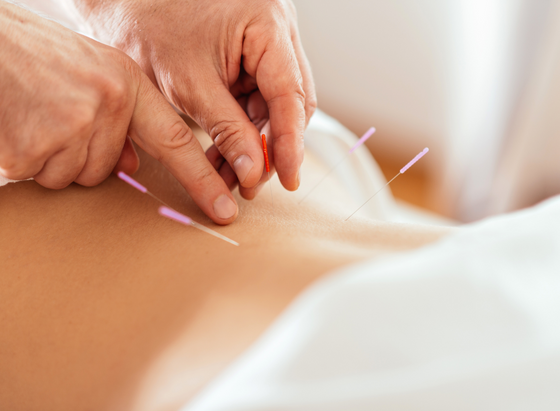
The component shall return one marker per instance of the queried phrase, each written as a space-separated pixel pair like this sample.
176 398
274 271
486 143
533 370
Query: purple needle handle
174 215
127 179
414 160
362 140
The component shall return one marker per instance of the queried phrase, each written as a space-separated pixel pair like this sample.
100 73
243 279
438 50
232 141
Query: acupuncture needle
267 165
183 219
403 170
360 142
169 212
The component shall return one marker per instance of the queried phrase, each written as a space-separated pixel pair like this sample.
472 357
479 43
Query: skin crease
105 305
229 64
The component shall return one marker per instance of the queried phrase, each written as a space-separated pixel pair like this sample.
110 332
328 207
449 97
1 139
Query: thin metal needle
183 219
198 225
270 184
403 170
377 192
212 232
358 144
158 199
323 179
169 212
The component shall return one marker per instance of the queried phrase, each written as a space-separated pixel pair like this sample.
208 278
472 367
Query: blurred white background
474 80
456 76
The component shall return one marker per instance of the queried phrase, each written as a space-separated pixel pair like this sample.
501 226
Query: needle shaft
183 219
157 199
377 192
322 179
270 184
170 212
358 144
212 232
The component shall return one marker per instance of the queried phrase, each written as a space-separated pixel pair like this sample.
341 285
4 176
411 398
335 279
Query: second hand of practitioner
237 64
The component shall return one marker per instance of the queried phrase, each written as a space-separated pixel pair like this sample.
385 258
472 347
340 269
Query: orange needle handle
265 150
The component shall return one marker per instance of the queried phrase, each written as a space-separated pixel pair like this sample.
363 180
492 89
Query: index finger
165 136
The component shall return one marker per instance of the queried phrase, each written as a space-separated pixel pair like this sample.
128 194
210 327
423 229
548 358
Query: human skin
68 103
105 305
229 64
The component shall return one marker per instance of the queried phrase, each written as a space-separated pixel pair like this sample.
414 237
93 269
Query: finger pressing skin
164 135
235 136
280 81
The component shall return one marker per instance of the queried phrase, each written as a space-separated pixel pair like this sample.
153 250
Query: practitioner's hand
67 104
229 64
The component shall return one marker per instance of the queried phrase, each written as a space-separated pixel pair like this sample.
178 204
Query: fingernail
242 167
224 207
299 177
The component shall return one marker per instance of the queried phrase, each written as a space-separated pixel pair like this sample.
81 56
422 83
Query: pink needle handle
362 140
174 215
127 179
414 160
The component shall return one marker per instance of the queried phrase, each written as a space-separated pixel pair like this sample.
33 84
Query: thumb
235 136
159 130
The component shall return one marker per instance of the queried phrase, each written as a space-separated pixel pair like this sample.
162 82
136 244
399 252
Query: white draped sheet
469 323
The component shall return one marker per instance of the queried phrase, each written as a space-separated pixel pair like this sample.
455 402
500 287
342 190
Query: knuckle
298 94
116 94
203 176
82 118
125 61
227 136
311 105
178 136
